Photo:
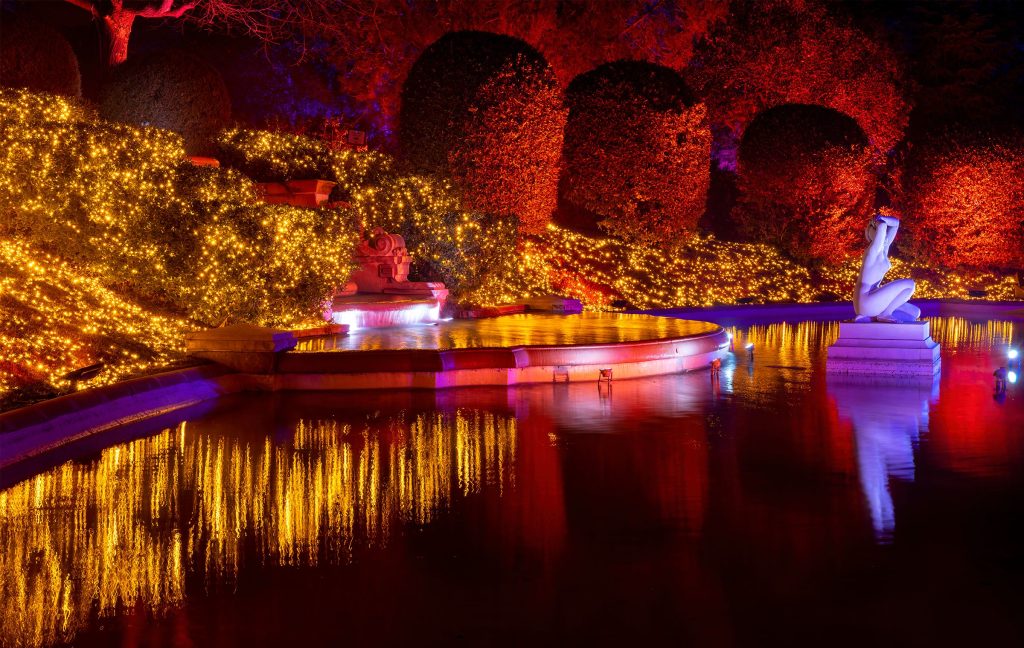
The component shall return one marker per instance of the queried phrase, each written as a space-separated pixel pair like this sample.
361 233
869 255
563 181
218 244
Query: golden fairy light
113 246
93 538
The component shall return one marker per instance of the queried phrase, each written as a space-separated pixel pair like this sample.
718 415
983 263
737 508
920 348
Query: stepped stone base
875 348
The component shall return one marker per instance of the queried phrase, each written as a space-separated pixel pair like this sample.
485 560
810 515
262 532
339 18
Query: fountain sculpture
379 294
886 337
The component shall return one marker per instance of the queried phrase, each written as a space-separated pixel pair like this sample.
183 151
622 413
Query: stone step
891 368
920 330
873 353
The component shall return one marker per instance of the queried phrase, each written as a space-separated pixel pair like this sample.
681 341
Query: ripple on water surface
773 504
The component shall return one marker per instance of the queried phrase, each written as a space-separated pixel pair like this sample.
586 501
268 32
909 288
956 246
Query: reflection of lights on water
1013 354
1011 376
960 332
80 538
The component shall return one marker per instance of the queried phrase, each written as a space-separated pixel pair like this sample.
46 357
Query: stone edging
36 429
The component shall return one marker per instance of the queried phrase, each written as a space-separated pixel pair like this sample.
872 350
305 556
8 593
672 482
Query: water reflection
672 506
128 526
887 417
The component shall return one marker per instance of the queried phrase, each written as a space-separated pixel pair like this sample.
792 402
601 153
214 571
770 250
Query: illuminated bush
637 150
775 52
963 203
174 91
269 156
486 111
460 248
35 56
806 182
123 202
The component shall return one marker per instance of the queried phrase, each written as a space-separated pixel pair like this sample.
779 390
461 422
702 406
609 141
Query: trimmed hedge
770 53
485 110
37 57
806 182
964 200
637 150
123 203
172 90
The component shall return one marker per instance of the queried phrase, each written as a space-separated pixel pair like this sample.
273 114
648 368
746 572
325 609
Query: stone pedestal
874 348
242 347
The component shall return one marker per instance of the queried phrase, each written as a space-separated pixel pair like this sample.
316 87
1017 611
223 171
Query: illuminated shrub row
35 56
448 243
963 202
485 110
775 52
56 317
124 203
172 90
699 270
637 150
806 182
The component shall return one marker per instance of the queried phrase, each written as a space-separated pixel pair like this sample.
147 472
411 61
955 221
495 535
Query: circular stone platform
515 330
509 350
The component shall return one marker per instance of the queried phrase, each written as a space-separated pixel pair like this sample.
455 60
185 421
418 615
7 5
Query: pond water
774 505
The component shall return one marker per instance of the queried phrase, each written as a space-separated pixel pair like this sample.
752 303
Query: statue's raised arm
872 300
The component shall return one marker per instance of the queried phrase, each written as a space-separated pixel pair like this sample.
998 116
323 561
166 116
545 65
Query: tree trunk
119 29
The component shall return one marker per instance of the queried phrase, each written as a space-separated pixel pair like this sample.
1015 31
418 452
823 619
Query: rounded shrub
963 201
806 182
35 56
172 90
771 53
486 111
637 150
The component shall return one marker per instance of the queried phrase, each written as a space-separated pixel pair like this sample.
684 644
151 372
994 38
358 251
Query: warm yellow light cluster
448 243
132 526
18 105
54 318
699 271
121 207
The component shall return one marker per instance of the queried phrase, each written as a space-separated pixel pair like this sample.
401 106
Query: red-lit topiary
378 48
35 56
637 150
806 182
774 52
963 201
486 111
172 90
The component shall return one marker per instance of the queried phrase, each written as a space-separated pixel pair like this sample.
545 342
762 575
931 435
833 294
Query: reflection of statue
871 299
887 416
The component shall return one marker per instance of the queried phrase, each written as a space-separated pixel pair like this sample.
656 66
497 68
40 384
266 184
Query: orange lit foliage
964 201
378 48
637 150
774 52
486 111
806 182
35 56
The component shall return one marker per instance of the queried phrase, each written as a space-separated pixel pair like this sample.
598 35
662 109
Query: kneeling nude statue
872 300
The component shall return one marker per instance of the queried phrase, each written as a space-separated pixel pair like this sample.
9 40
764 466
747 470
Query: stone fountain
379 294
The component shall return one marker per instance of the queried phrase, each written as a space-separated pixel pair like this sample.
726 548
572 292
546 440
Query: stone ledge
920 330
39 428
892 368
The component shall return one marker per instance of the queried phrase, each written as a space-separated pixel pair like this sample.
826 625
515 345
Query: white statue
872 300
